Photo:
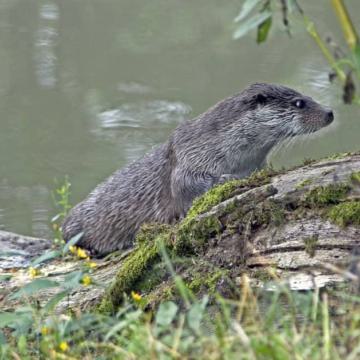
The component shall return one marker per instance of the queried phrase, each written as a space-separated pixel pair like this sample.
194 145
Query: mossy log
298 226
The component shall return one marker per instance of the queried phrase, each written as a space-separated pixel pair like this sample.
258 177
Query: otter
230 140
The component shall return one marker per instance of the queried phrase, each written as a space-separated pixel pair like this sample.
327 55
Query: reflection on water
139 126
151 114
32 202
45 43
49 11
134 88
87 86
2 226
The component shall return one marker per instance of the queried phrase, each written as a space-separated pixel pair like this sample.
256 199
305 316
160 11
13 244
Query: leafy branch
259 14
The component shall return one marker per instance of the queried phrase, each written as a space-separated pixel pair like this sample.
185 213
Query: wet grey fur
230 140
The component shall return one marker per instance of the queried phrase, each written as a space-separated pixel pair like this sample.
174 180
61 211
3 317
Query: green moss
308 161
265 213
207 282
164 292
327 172
347 213
260 177
355 177
327 195
213 197
193 233
195 284
303 183
151 279
277 213
140 272
222 192
264 274
134 267
310 245
338 156
199 279
335 156
149 232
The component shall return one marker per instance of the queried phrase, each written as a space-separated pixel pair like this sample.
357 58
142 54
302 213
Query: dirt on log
299 226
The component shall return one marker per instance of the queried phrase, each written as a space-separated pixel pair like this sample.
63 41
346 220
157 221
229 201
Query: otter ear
260 99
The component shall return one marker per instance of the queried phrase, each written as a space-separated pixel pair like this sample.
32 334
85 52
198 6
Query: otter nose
329 116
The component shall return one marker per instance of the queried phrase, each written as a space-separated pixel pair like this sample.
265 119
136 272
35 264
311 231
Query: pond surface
86 86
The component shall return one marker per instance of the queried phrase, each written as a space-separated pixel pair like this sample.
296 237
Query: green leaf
19 321
246 9
55 218
73 241
34 287
2 339
196 313
293 6
7 318
50 305
13 253
5 277
23 324
73 279
46 257
356 53
22 345
251 24
166 313
263 30
120 325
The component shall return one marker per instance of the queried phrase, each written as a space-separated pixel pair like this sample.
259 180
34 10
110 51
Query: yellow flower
136 296
91 264
86 280
81 253
45 330
63 346
72 249
34 272
55 226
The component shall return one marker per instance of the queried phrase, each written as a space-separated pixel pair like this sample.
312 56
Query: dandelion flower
86 280
136 296
63 346
34 272
81 253
45 330
92 264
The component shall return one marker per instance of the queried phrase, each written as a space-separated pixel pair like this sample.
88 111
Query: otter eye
299 103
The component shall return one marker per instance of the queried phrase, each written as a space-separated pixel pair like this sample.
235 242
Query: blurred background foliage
343 57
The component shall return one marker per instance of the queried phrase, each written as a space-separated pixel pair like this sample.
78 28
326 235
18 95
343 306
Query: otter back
110 216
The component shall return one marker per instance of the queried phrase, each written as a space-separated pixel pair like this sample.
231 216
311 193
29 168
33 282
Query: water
87 86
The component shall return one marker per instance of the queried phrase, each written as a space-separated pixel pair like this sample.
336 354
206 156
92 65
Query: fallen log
298 227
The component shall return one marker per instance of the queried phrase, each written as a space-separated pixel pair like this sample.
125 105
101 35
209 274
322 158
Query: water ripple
143 115
134 88
49 11
45 42
2 226
40 212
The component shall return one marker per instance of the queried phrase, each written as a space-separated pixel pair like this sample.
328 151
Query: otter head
284 112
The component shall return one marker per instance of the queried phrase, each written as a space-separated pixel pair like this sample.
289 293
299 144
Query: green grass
252 324
259 324
277 325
